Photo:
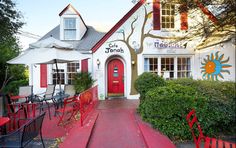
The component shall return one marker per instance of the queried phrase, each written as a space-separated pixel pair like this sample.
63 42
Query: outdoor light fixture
133 62
98 63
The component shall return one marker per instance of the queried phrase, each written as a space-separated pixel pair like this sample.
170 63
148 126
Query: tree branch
132 29
6 79
143 28
123 33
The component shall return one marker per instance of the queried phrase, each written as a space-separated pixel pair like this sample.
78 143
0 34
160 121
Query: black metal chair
45 97
25 134
69 91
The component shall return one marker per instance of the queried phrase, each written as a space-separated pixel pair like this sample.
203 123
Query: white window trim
159 57
76 26
175 17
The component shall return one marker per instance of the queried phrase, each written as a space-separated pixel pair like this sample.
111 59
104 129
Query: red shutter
184 17
84 65
156 15
43 75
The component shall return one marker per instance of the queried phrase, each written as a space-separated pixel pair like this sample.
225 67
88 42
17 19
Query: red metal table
3 122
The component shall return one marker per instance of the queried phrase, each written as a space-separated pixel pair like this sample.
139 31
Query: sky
40 16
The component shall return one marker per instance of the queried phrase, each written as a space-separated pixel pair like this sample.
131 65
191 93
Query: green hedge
13 86
211 89
166 107
147 81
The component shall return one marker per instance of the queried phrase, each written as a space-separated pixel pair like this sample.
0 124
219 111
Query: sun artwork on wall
214 66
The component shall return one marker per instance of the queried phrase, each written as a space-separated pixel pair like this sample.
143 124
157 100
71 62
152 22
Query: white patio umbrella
47 51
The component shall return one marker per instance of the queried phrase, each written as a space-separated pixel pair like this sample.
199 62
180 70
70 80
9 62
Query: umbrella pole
58 76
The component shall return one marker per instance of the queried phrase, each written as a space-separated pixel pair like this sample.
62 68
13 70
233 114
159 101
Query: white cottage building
151 37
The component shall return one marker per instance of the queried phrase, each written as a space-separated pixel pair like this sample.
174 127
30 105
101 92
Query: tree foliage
223 12
10 23
10 20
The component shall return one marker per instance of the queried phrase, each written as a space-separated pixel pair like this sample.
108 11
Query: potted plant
83 81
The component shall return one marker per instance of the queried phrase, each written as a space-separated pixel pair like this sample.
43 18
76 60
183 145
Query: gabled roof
121 22
134 9
206 12
66 8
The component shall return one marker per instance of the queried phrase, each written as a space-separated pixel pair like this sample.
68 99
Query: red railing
88 99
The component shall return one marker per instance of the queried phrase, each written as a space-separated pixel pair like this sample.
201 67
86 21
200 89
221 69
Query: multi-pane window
72 69
184 67
69 28
167 67
151 65
167 17
55 79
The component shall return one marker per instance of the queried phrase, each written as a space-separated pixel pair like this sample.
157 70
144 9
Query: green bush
166 107
147 81
13 86
83 81
215 90
216 117
215 103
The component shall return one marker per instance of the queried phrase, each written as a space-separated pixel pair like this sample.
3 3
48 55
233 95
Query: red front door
115 78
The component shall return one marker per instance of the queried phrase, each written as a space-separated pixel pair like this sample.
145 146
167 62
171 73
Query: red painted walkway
115 124
115 128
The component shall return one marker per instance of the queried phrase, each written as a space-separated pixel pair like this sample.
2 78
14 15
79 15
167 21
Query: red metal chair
71 107
20 113
24 95
208 142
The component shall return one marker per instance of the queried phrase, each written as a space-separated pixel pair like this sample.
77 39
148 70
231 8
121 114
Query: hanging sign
113 48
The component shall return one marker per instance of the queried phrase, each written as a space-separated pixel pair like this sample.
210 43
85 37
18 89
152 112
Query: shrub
215 103
13 86
83 81
216 117
166 107
214 90
147 81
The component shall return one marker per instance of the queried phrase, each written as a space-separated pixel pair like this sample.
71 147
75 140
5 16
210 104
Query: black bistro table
58 99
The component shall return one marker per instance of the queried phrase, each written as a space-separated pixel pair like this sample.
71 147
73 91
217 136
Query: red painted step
78 136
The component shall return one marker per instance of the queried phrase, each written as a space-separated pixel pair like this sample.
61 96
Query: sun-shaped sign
214 66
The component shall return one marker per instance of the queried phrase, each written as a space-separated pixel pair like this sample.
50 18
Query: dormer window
167 17
72 26
69 28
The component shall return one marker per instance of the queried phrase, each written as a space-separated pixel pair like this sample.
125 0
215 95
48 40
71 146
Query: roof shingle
90 38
